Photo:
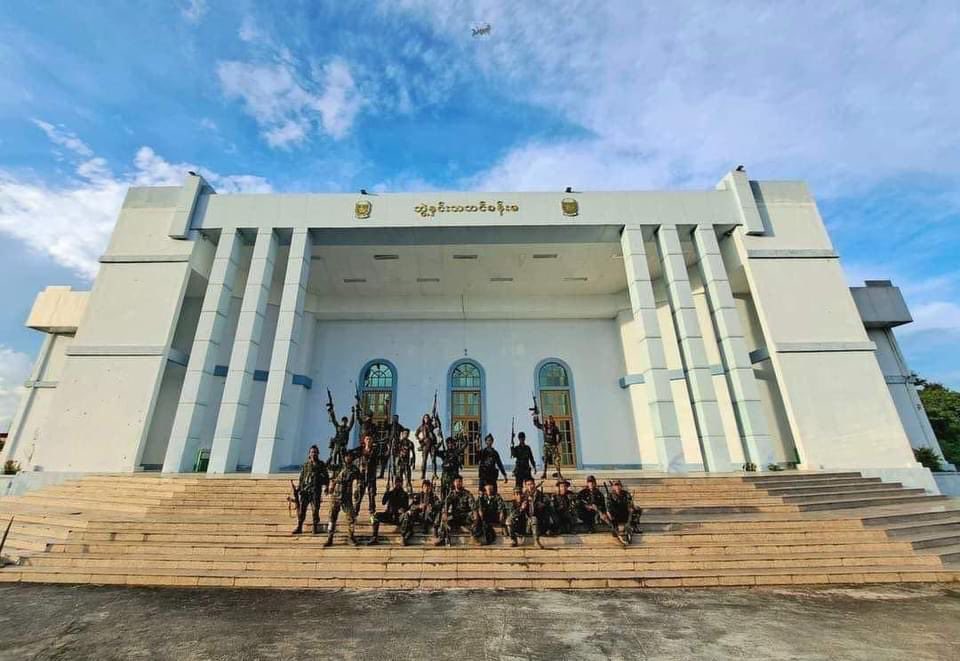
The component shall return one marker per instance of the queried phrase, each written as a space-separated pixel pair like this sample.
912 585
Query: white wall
507 350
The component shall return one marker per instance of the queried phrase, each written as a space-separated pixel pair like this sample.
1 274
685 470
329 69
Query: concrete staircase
698 530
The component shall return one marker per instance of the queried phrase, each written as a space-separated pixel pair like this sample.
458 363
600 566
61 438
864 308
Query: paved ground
57 622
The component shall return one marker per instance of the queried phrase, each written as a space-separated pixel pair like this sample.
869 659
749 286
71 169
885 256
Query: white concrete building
668 331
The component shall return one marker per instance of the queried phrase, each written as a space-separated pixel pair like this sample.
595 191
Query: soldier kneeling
490 513
529 509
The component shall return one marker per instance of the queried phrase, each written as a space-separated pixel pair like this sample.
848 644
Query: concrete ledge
792 253
820 347
141 259
949 483
116 350
918 478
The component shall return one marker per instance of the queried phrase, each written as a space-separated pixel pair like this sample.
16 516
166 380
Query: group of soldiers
349 475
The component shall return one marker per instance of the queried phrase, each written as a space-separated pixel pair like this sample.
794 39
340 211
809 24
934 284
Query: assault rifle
439 423
513 432
329 402
4 539
535 410
294 498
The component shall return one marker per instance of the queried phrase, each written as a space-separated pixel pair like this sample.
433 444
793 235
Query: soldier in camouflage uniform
491 512
341 437
396 502
551 444
405 459
458 511
427 437
343 499
622 513
591 505
313 480
368 457
424 511
564 508
527 514
452 458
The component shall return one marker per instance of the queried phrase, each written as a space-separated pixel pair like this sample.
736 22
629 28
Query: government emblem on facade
362 209
570 206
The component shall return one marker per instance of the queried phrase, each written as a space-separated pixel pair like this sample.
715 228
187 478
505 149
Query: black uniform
424 511
490 467
564 513
405 459
452 459
491 512
524 464
395 502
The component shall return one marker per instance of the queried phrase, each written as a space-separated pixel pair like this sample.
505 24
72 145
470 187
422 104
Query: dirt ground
63 622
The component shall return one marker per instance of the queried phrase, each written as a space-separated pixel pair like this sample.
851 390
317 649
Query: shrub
928 458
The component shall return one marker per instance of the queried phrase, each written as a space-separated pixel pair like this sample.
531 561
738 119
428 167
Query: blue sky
860 100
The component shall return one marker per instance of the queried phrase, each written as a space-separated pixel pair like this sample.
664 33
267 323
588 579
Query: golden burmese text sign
432 209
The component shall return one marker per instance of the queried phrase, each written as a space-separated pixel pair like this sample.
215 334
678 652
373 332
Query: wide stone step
444 580
882 490
844 503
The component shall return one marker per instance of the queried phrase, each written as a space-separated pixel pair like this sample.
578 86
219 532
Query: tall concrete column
232 419
649 345
693 353
276 421
747 407
196 394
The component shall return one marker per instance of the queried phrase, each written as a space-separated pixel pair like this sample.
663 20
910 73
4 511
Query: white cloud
288 110
60 136
72 222
844 96
15 368
193 10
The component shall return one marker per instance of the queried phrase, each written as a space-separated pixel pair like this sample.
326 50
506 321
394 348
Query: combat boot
329 541
376 529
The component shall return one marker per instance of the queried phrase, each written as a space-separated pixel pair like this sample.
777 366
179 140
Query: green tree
943 410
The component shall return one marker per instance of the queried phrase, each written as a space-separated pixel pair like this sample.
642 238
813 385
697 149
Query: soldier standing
622 513
591 506
427 437
396 502
313 479
405 459
489 464
451 457
341 437
564 506
343 486
458 511
423 512
551 444
491 512
368 460
524 462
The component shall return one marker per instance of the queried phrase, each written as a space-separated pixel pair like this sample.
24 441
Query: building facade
666 331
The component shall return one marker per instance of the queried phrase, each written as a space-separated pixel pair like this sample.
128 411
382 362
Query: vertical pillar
656 377
195 395
747 407
696 367
275 427
232 419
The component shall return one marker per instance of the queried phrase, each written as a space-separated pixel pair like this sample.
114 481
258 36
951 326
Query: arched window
378 390
556 399
465 383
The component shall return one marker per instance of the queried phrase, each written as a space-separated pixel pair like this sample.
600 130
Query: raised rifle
440 442
535 410
329 401
513 432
